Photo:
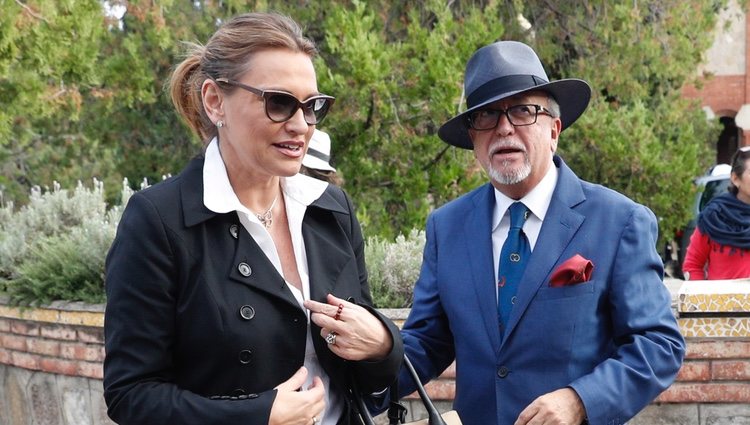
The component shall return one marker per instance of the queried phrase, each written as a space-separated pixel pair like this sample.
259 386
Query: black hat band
506 84
318 154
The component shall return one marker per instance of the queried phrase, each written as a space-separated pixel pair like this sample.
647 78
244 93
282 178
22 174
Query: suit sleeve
647 348
696 255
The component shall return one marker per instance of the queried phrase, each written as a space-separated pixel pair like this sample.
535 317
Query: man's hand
561 407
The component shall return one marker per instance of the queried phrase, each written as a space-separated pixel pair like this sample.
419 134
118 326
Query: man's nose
504 125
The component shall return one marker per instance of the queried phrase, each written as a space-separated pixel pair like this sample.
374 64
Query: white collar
537 201
219 197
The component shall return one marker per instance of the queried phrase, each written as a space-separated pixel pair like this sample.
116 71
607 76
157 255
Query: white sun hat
319 152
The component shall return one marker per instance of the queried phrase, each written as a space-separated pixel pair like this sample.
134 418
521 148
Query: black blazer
200 327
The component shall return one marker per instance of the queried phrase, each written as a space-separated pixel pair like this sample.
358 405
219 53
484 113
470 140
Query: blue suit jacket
613 339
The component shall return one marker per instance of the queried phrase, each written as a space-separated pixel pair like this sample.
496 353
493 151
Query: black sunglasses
281 106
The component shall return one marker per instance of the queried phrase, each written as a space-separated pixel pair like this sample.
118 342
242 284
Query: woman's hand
351 331
295 406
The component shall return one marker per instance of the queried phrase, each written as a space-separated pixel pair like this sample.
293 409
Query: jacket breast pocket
568 291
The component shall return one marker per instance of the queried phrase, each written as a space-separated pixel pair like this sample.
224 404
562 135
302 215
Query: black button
247 312
503 372
246 356
245 269
234 230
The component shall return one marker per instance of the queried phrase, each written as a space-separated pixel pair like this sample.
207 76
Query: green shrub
54 247
393 267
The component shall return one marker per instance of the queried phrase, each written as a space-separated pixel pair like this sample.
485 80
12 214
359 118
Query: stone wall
51 362
51 365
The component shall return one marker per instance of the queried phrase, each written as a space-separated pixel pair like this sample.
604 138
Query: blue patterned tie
513 258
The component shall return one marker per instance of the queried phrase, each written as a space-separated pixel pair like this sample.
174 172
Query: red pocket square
574 270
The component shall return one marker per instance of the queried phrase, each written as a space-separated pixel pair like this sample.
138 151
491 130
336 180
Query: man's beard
513 176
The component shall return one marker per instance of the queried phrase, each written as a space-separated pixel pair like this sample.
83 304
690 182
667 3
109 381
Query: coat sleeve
140 333
696 256
647 347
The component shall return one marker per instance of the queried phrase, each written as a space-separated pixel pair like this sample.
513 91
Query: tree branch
31 12
435 159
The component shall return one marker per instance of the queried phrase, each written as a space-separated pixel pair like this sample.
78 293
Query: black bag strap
359 401
394 411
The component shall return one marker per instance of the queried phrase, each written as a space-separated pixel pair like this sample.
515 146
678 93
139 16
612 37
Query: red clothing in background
719 261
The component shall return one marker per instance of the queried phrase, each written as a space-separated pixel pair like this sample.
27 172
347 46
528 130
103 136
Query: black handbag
397 411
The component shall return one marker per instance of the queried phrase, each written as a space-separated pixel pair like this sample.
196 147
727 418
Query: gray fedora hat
504 69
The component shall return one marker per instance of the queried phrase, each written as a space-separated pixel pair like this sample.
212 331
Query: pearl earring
219 124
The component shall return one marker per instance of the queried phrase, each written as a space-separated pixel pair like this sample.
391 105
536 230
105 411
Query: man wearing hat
545 289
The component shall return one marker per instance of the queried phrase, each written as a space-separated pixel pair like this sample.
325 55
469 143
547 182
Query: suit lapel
258 272
324 242
478 240
323 245
560 226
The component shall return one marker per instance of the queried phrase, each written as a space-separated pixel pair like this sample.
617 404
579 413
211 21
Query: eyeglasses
281 106
518 115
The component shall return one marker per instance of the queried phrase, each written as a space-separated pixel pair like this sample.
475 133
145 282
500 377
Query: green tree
639 136
83 94
49 51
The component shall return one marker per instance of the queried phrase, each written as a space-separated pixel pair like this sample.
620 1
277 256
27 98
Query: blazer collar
191 193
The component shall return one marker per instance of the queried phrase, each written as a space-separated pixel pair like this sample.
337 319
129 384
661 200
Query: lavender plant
54 247
393 267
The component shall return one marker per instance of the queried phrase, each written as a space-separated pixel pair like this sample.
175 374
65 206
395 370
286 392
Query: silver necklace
266 219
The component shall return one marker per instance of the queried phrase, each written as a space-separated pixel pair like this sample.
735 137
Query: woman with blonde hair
237 291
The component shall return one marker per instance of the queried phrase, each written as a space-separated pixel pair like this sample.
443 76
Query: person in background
545 289
720 245
212 276
316 162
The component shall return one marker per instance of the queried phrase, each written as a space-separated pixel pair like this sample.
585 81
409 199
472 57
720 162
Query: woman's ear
213 100
735 179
